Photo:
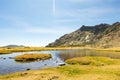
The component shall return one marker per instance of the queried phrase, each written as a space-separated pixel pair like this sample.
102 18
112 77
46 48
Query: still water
8 65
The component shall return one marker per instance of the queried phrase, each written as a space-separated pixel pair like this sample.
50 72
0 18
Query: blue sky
39 22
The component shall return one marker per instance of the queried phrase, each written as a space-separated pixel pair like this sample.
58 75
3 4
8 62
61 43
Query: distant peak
87 28
14 46
116 23
103 24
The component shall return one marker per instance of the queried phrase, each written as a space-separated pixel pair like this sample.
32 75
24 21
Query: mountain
12 46
102 35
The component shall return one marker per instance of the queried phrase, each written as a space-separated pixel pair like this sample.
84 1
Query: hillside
102 35
12 46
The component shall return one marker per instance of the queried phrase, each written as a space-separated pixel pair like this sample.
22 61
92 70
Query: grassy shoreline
110 71
87 68
28 49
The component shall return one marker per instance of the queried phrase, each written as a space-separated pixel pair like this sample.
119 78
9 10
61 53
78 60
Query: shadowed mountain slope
102 35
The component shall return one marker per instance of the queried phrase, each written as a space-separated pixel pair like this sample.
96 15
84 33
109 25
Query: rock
45 64
11 57
43 76
24 73
56 62
28 69
61 64
54 78
4 58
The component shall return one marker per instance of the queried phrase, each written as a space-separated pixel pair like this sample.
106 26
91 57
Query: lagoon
9 65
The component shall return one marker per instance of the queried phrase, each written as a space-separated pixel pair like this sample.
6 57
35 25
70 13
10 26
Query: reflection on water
85 52
8 65
30 61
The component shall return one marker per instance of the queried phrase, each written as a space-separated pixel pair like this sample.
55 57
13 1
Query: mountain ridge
102 35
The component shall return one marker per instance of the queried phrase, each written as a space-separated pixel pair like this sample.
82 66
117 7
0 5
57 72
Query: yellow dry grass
27 49
30 57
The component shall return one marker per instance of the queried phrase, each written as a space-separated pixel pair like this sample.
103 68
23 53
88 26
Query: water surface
8 65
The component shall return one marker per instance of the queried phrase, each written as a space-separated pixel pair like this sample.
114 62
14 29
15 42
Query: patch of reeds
97 61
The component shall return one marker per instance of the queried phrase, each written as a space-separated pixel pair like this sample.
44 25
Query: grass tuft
32 57
96 61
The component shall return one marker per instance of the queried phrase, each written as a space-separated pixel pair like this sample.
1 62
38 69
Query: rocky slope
102 35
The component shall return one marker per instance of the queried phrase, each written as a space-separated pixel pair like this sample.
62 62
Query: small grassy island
32 57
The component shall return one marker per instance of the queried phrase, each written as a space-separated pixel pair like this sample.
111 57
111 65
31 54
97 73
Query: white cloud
15 20
85 12
53 30
28 27
95 11
64 20
85 15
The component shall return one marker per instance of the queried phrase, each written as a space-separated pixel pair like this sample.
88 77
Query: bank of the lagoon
85 72
6 50
109 71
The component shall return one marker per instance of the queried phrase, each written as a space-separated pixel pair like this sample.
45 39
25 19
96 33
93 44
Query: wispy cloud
41 30
64 20
85 13
28 27
93 11
16 21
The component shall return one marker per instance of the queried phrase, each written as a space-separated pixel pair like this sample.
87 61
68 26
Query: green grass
80 68
97 61
68 70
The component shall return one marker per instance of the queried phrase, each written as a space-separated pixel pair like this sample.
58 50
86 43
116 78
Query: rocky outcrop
102 35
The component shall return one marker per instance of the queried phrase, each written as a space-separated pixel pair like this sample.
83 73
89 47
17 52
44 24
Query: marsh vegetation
32 57
83 64
7 50
93 70
96 61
